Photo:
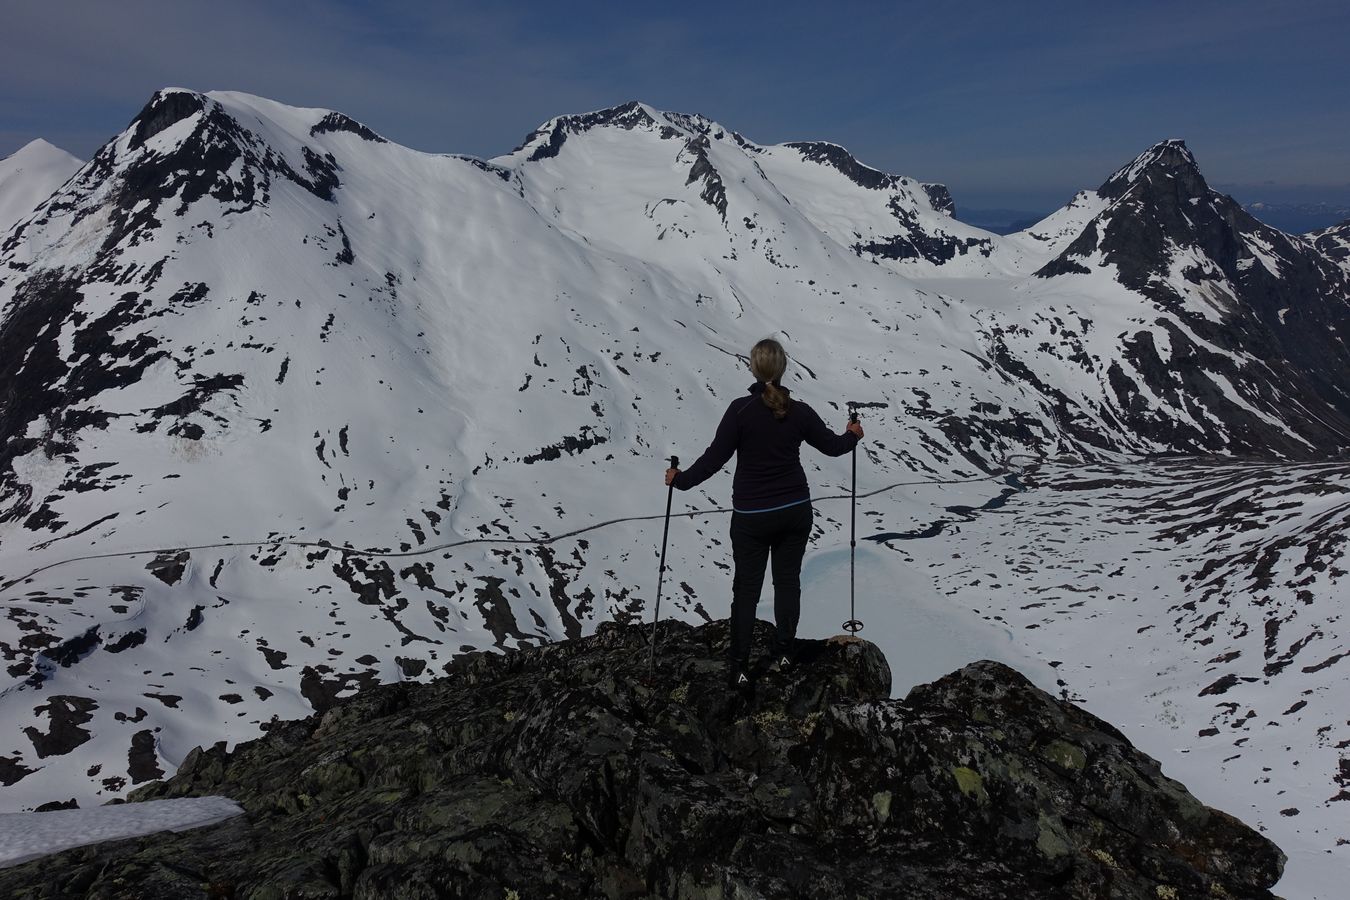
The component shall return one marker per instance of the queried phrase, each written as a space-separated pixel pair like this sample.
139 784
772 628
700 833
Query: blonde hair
768 362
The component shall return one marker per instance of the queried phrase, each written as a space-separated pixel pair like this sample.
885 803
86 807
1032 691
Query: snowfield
289 409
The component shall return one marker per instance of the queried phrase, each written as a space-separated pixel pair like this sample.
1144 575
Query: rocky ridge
566 771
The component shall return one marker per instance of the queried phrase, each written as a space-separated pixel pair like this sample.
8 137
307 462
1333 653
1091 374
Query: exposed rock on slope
562 772
1334 242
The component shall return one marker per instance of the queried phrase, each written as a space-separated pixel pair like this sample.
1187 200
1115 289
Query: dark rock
322 171
942 201
65 714
570 443
72 650
141 765
836 157
169 566
485 166
12 771
57 804
336 121
165 108
322 689
714 192
565 771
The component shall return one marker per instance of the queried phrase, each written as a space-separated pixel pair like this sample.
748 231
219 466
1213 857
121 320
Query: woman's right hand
856 428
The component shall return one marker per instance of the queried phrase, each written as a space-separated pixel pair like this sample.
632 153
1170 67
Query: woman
771 501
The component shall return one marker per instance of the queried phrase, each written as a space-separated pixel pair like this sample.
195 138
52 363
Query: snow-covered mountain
1229 281
252 340
28 176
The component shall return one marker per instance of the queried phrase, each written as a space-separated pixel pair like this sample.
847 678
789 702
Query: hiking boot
738 679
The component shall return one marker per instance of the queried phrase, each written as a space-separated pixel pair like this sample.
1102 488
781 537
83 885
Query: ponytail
768 362
776 399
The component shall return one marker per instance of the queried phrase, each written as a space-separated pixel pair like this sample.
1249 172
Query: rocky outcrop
335 122
1334 243
566 771
940 198
836 157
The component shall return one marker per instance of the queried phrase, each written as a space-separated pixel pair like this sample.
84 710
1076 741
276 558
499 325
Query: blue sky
1011 103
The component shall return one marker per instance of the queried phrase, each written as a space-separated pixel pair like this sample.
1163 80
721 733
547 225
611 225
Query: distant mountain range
246 321
1299 218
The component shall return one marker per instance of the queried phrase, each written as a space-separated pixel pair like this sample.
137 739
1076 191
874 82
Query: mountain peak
1165 157
39 149
547 140
29 175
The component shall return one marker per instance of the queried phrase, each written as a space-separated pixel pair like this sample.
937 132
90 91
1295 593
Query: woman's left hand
670 475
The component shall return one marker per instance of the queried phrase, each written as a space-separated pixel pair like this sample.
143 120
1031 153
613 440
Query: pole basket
852 626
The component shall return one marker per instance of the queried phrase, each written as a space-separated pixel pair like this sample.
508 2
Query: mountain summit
28 176
566 772
1165 159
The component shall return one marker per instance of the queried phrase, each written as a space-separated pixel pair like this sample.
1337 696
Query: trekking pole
853 625
656 614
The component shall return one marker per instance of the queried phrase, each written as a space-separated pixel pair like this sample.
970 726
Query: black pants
784 532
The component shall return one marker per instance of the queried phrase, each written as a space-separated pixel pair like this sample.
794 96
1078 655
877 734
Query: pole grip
674 462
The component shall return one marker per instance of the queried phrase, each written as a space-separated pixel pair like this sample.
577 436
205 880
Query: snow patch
25 836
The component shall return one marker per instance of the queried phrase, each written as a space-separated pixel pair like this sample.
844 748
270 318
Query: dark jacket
769 472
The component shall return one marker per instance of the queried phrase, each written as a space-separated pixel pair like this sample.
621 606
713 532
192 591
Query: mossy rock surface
563 771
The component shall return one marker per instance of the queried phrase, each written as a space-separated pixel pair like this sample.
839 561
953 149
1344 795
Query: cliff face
564 771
